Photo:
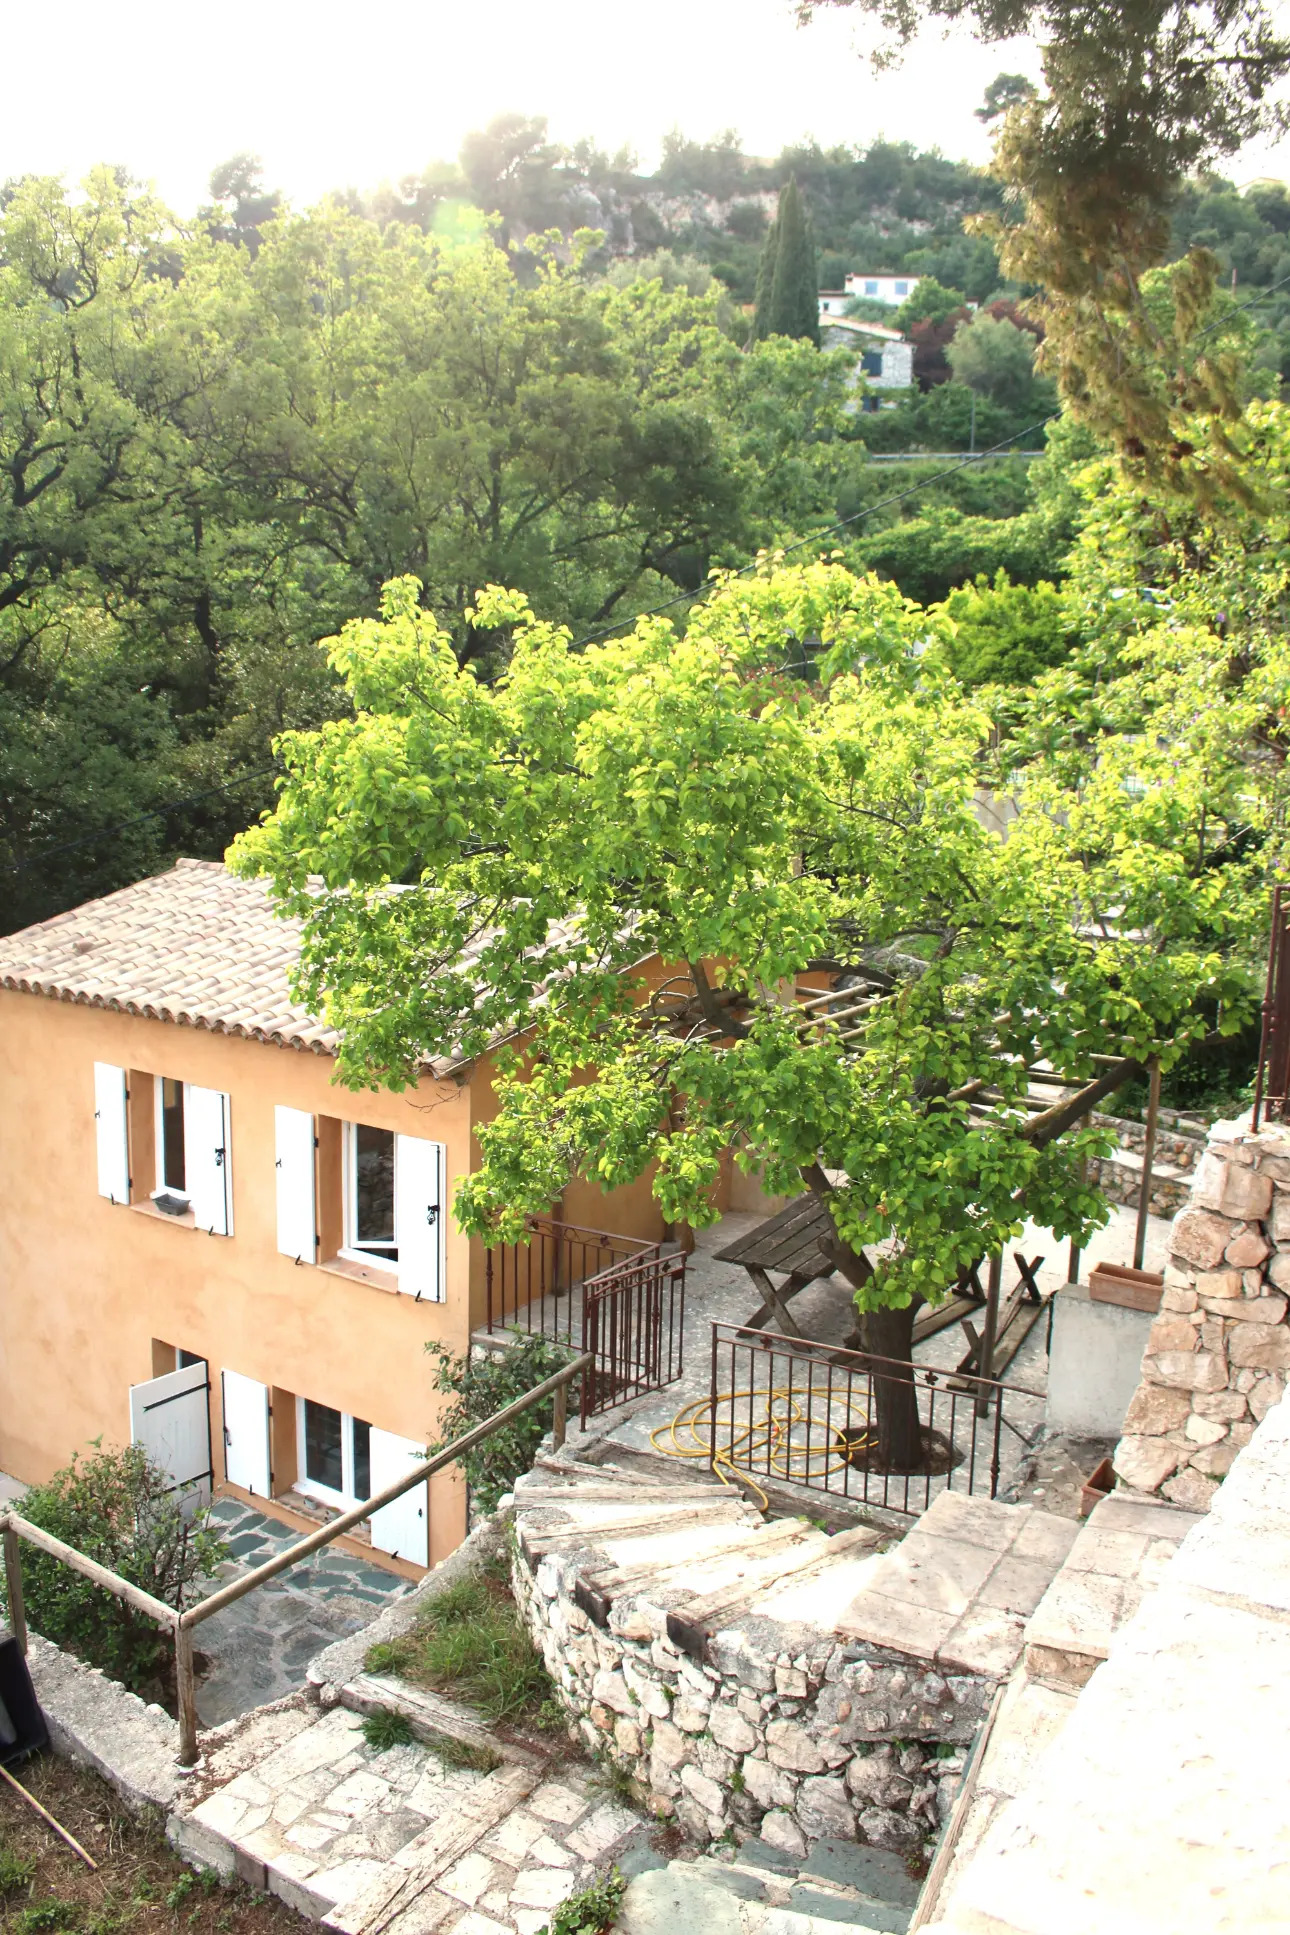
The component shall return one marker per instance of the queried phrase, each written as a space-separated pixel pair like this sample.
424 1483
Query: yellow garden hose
776 1435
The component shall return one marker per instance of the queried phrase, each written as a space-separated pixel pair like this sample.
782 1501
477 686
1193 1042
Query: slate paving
258 1647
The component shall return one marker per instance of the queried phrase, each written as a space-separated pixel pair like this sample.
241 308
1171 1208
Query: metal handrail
15 1527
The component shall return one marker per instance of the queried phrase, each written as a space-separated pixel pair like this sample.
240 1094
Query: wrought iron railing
534 1286
792 1413
633 1321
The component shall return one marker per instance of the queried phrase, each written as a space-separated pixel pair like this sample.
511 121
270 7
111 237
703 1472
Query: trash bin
22 1724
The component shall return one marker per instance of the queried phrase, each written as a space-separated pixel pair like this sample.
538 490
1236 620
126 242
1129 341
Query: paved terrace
722 1293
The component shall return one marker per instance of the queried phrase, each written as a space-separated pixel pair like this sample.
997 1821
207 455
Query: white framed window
394 1211
333 1454
172 1167
371 1196
193 1154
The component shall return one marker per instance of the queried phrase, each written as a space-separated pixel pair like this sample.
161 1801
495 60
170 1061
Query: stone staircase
764 1891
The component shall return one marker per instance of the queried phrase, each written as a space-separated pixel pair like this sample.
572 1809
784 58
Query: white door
246 1433
293 1136
110 1138
402 1528
207 1167
419 1216
170 1417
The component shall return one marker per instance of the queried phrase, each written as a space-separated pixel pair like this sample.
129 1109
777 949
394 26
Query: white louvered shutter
403 1527
419 1216
110 1137
207 1158
293 1140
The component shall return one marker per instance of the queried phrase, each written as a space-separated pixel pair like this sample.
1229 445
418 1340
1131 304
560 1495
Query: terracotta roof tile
196 946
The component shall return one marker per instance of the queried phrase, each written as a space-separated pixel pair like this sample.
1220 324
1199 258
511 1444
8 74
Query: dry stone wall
783 1730
1218 1354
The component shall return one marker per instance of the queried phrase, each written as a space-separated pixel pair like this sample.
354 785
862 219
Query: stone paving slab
960 1586
260 1646
1121 1552
393 1841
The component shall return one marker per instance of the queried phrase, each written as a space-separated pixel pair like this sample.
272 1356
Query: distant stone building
885 361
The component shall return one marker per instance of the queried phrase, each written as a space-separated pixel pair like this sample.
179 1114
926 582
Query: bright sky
332 95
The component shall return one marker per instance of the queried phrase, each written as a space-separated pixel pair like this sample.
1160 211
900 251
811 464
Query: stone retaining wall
1218 1354
784 1730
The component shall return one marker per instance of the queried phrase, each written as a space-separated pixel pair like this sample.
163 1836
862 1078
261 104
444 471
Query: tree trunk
899 1435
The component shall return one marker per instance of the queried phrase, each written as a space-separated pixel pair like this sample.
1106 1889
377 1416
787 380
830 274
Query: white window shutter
403 1527
246 1433
293 1139
111 1140
419 1216
207 1163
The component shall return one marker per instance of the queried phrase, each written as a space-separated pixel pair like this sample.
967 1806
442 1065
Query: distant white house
885 360
881 287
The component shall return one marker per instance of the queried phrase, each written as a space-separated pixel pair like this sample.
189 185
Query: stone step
811 1555
595 1526
430 1716
686 1899
960 1586
1161 1170
719 1551
1120 1553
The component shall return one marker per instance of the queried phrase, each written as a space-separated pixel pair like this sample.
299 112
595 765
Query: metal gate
170 1417
633 1317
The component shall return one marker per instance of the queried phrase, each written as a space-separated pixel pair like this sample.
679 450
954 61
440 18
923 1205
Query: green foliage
479 1388
592 1911
1137 98
39 1917
929 557
787 277
1005 633
16 1871
470 1641
115 1506
929 302
386 1728
462 1753
991 355
723 799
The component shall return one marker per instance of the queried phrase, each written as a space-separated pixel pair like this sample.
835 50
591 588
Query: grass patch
592 1911
16 1871
386 1728
469 1641
460 1753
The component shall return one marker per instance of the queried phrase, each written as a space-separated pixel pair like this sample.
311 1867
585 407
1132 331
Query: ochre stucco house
200 1232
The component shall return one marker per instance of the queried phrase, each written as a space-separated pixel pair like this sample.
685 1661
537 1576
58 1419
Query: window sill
367 1273
187 1221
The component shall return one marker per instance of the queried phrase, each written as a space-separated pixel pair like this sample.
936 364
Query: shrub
116 1506
592 1911
480 1388
1007 633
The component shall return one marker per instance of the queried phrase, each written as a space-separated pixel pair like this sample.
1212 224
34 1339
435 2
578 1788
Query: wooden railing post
560 1417
185 1694
13 1586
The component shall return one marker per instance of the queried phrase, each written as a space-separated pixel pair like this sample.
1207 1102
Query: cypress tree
795 287
765 282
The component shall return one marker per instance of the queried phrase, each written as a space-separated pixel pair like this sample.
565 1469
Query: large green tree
789 785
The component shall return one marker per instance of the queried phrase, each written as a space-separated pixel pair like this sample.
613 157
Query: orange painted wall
87 1285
